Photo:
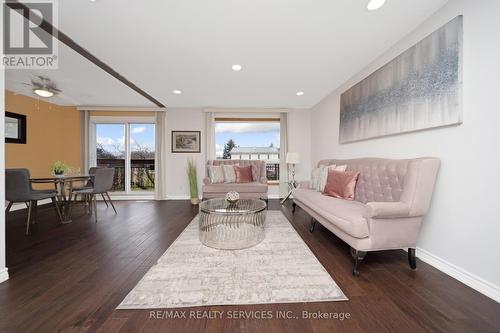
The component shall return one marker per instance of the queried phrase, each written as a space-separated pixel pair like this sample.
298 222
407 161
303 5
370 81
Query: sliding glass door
142 157
128 145
110 151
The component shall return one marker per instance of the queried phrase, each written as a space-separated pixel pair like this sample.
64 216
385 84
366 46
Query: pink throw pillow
341 184
243 174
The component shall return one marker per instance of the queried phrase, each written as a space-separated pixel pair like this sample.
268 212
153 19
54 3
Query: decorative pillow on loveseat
216 174
341 184
320 175
243 174
229 173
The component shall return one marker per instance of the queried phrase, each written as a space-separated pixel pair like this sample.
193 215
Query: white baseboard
20 205
178 197
4 274
475 282
114 197
118 197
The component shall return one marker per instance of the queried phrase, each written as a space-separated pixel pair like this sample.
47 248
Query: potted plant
193 182
58 168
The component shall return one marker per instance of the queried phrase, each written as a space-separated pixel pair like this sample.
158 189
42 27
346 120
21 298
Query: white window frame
126 121
249 117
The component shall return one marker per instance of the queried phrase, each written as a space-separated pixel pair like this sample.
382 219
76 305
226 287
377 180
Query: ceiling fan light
43 93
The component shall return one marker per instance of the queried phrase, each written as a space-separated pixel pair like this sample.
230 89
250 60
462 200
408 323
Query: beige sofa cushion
216 174
345 214
238 187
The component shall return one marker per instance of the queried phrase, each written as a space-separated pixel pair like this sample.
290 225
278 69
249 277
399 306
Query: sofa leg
358 257
313 224
412 260
294 205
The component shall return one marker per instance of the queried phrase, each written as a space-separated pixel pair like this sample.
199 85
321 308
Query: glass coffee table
232 226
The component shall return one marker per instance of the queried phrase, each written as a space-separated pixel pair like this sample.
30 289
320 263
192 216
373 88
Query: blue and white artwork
420 89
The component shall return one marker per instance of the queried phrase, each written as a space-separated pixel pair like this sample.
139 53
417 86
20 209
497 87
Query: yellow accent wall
53 133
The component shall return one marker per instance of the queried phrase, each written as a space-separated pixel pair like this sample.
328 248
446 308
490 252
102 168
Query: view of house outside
250 141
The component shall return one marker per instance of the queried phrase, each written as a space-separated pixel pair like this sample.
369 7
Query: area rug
281 269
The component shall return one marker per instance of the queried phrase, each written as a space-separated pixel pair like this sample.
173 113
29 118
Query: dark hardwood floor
71 278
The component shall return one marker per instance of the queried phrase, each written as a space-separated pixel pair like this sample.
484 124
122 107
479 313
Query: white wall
299 140
3 269
194 119
461 234
184 120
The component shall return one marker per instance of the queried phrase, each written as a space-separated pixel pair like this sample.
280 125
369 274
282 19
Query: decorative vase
195 201
59 172
232 197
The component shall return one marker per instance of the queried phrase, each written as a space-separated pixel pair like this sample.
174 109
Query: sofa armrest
207 181
306 184
263 180
387 210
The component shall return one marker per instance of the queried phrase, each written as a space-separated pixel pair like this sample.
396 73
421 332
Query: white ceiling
81 82
284 46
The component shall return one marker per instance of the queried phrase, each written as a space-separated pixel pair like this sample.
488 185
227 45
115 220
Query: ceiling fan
44 87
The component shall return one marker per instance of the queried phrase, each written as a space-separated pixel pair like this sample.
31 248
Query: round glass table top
222 206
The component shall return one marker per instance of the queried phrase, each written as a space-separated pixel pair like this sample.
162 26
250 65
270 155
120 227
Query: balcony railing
142 173
273 171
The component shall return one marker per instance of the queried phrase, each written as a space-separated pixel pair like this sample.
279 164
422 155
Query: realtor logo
28 35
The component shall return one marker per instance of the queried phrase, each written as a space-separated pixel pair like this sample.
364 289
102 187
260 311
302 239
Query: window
249 139
128 145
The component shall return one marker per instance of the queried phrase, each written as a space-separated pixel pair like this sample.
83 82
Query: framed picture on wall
15 128
186 141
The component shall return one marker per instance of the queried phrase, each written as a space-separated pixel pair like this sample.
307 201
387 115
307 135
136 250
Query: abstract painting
419 89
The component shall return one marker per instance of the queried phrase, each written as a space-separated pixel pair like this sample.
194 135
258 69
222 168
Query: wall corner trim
4 274
475 282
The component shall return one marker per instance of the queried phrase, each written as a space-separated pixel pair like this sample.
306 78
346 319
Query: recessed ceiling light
177 91
300 93
375 4
236 67
43 93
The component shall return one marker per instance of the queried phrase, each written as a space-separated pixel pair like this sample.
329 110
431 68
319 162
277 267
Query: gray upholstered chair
102 183
89 184
18 189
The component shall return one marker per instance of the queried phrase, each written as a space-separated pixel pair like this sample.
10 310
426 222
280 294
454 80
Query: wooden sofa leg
294 205
313 224
358 257
412 260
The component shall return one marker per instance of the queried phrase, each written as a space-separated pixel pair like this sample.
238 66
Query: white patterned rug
281 269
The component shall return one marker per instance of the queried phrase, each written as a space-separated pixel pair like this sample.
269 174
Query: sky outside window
112 137
247 134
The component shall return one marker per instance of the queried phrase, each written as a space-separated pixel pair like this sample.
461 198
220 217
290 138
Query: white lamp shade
292 158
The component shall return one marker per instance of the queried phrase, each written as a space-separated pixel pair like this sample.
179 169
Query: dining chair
102 183
18 188
89 184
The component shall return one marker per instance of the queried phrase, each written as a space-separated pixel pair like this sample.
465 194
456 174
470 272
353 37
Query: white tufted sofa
391 200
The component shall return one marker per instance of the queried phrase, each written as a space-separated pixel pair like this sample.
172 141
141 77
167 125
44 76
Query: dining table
64 185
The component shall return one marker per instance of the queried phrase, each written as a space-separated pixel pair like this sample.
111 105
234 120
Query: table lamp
292 158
